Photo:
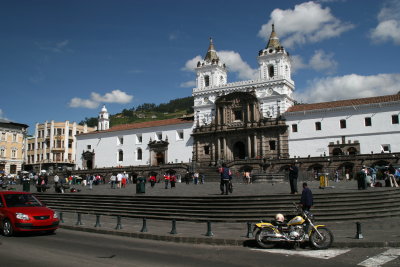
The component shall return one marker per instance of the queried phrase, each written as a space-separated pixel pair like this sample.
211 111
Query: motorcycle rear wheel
261 240
321 243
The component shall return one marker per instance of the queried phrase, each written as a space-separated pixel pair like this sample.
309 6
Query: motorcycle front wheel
321 243
261 238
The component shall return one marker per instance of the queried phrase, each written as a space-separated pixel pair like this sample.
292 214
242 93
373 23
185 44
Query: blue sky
61 60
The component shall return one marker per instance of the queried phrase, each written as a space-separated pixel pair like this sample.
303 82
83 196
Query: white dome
103 109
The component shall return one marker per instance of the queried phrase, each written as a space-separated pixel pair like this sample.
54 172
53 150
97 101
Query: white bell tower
104 119
210 71
274 61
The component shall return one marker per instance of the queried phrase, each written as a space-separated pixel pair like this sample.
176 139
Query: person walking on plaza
152 180
196 178
113 180
226 177
293 175
187 177
306 200
172 180
166 180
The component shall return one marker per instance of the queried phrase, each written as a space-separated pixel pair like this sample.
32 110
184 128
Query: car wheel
7 228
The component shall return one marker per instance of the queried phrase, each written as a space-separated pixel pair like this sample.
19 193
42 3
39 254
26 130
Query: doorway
239 150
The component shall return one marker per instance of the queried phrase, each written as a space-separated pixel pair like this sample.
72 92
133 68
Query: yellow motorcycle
300 230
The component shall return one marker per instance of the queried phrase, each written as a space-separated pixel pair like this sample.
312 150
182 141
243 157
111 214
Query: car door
2 210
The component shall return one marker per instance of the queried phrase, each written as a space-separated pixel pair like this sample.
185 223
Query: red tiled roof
145 124
344 103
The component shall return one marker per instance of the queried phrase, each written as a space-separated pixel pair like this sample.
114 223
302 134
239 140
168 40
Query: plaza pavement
378 232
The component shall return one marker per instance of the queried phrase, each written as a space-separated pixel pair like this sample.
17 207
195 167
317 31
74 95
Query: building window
207 80
89 146
179 135
368 121
395 119
237 115
120 155
139 154
272 145
2 152
386 148
318 126
271 71
14 154
120 140
206 150
342 124
3 136
294 128
14 138
139 139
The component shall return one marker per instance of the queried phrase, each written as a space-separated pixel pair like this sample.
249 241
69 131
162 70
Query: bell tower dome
273 60
210 71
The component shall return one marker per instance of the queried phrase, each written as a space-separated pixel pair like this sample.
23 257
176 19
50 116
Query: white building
355 126
147 143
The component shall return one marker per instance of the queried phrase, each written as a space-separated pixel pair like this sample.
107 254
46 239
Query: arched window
271 71
207 80
120 155
139 154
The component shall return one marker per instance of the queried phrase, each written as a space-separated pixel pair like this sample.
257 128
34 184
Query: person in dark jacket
293 174
306 200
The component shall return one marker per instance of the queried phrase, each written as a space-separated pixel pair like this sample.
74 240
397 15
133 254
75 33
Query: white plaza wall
308 141
106 145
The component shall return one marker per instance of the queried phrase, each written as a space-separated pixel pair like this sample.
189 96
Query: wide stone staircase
348 206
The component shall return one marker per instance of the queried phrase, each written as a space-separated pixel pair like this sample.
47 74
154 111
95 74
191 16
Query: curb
222 241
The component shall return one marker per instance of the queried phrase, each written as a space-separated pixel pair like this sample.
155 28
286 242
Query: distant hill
148 112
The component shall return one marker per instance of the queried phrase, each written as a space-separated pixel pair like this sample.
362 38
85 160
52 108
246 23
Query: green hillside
148 111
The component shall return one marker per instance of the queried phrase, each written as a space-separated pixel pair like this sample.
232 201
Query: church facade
242 120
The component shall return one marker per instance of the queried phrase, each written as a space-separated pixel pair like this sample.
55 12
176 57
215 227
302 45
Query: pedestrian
172 180
196 178
247 177
113 180
91 178
307 200
336 176
226 177
119 180
293 175
152 180
166 180
187 177
203 178
56 181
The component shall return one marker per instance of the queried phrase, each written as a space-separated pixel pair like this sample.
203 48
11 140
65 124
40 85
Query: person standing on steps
226 177
293 175
306 200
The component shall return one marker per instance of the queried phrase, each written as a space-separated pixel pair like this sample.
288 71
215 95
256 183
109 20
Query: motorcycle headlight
21 216
55 215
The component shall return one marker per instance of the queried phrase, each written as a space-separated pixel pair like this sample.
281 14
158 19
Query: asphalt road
74 248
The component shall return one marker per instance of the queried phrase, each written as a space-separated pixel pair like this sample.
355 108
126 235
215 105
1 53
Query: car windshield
21 200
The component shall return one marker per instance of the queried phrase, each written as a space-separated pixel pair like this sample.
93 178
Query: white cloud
191 64
58 47
307 23
349 86
77 102
188 84
115 96
2 116
235 63
297 63
232 60
321 61
388 28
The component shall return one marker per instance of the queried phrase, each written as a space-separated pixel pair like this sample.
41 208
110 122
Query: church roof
211 52
146 124
344 103
273 41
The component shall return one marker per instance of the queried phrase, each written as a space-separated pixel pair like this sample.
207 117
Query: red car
23 212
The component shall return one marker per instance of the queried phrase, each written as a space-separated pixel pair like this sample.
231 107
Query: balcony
58 149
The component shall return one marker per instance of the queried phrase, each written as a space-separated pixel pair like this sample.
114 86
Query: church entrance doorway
239 150
160 158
